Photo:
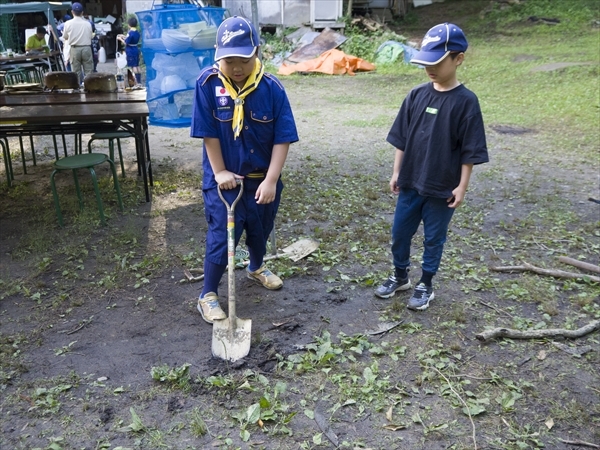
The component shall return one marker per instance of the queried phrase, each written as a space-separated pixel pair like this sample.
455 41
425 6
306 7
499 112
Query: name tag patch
431 110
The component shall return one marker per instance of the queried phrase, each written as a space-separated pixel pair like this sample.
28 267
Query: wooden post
256 22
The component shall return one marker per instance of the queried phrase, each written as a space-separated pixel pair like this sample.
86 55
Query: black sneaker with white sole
391 285
421 297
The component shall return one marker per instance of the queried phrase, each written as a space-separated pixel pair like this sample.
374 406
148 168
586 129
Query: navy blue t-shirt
438 132
268 120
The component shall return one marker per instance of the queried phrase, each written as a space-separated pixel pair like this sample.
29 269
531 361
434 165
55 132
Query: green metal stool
87 161
112 136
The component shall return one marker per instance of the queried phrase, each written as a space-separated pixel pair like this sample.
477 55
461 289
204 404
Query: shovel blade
231 338
301 249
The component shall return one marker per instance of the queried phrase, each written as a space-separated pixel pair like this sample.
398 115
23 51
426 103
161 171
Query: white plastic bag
121 60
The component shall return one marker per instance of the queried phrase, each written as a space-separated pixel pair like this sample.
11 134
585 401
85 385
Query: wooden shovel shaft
231 252
231 265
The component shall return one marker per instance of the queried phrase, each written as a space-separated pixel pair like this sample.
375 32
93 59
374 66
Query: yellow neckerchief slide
239 96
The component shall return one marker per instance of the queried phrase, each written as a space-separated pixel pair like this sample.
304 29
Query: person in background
132 51
37 41
65 47
438 135
148 28
78 33
245 120
95 46
60 27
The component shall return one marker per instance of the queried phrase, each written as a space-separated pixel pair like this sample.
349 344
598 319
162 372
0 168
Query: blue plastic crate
177 43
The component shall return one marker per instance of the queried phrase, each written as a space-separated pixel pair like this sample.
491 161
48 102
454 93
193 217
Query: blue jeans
411 208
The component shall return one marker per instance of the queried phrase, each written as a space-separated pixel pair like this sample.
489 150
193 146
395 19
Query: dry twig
496 309
579 264
586 444
526 267
537 334
462 401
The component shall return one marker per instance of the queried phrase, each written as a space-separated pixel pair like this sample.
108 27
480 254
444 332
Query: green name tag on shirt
431 110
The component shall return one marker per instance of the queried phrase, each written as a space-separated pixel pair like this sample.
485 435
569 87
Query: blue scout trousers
411 208
256 220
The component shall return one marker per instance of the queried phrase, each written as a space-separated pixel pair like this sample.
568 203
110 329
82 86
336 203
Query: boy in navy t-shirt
244 117
438 135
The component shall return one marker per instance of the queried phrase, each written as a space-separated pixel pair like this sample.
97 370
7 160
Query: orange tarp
332 62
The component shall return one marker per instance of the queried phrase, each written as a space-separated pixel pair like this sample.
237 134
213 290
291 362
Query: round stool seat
80 161
112 135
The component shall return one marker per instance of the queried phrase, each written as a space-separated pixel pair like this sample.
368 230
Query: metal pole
255 21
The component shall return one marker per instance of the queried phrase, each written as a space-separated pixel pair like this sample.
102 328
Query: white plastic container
101 55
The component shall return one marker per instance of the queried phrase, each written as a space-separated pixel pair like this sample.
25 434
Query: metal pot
100 82
61 80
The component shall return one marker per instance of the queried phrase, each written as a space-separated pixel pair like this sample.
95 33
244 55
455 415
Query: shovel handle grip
231 207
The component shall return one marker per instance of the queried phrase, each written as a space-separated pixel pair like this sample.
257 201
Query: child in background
132 52
150 31
439 136
37 42
244 117
95 46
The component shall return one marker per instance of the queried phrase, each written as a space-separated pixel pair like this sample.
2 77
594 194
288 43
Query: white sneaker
265 277
209 308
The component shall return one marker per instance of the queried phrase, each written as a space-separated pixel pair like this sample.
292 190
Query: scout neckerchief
239 96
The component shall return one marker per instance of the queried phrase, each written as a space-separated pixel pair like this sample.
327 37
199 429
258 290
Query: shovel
296 251
231 336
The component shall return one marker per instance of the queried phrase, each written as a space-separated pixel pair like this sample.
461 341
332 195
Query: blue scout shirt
268 120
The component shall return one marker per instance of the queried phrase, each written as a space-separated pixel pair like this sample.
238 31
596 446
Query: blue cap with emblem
439 42
236 36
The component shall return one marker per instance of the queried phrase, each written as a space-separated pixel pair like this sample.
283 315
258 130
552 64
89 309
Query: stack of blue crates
178 41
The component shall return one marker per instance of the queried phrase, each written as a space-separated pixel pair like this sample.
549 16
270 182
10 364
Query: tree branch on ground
538 334
524 267
586 444
579 264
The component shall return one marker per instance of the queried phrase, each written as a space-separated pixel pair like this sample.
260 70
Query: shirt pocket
262 116
223 116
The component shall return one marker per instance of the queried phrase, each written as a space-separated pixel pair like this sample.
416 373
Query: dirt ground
87 312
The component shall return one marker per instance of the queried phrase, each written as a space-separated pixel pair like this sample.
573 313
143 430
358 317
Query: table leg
145 129
22 154
32 149
141 150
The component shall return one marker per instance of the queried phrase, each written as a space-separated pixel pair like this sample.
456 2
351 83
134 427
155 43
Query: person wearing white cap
245 120
78 33
438 135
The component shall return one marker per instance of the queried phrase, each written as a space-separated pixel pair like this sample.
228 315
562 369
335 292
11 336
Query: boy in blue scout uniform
244 116
438 135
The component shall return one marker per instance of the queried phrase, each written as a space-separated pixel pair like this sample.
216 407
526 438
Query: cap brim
240 52
429 58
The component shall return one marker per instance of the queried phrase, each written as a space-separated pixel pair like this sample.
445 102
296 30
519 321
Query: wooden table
42 98
53 60
60 114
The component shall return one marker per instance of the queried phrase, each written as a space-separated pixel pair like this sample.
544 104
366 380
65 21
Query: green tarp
33 7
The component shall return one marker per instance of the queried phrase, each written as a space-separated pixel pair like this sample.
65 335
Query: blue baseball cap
439 42
236 36
77 7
